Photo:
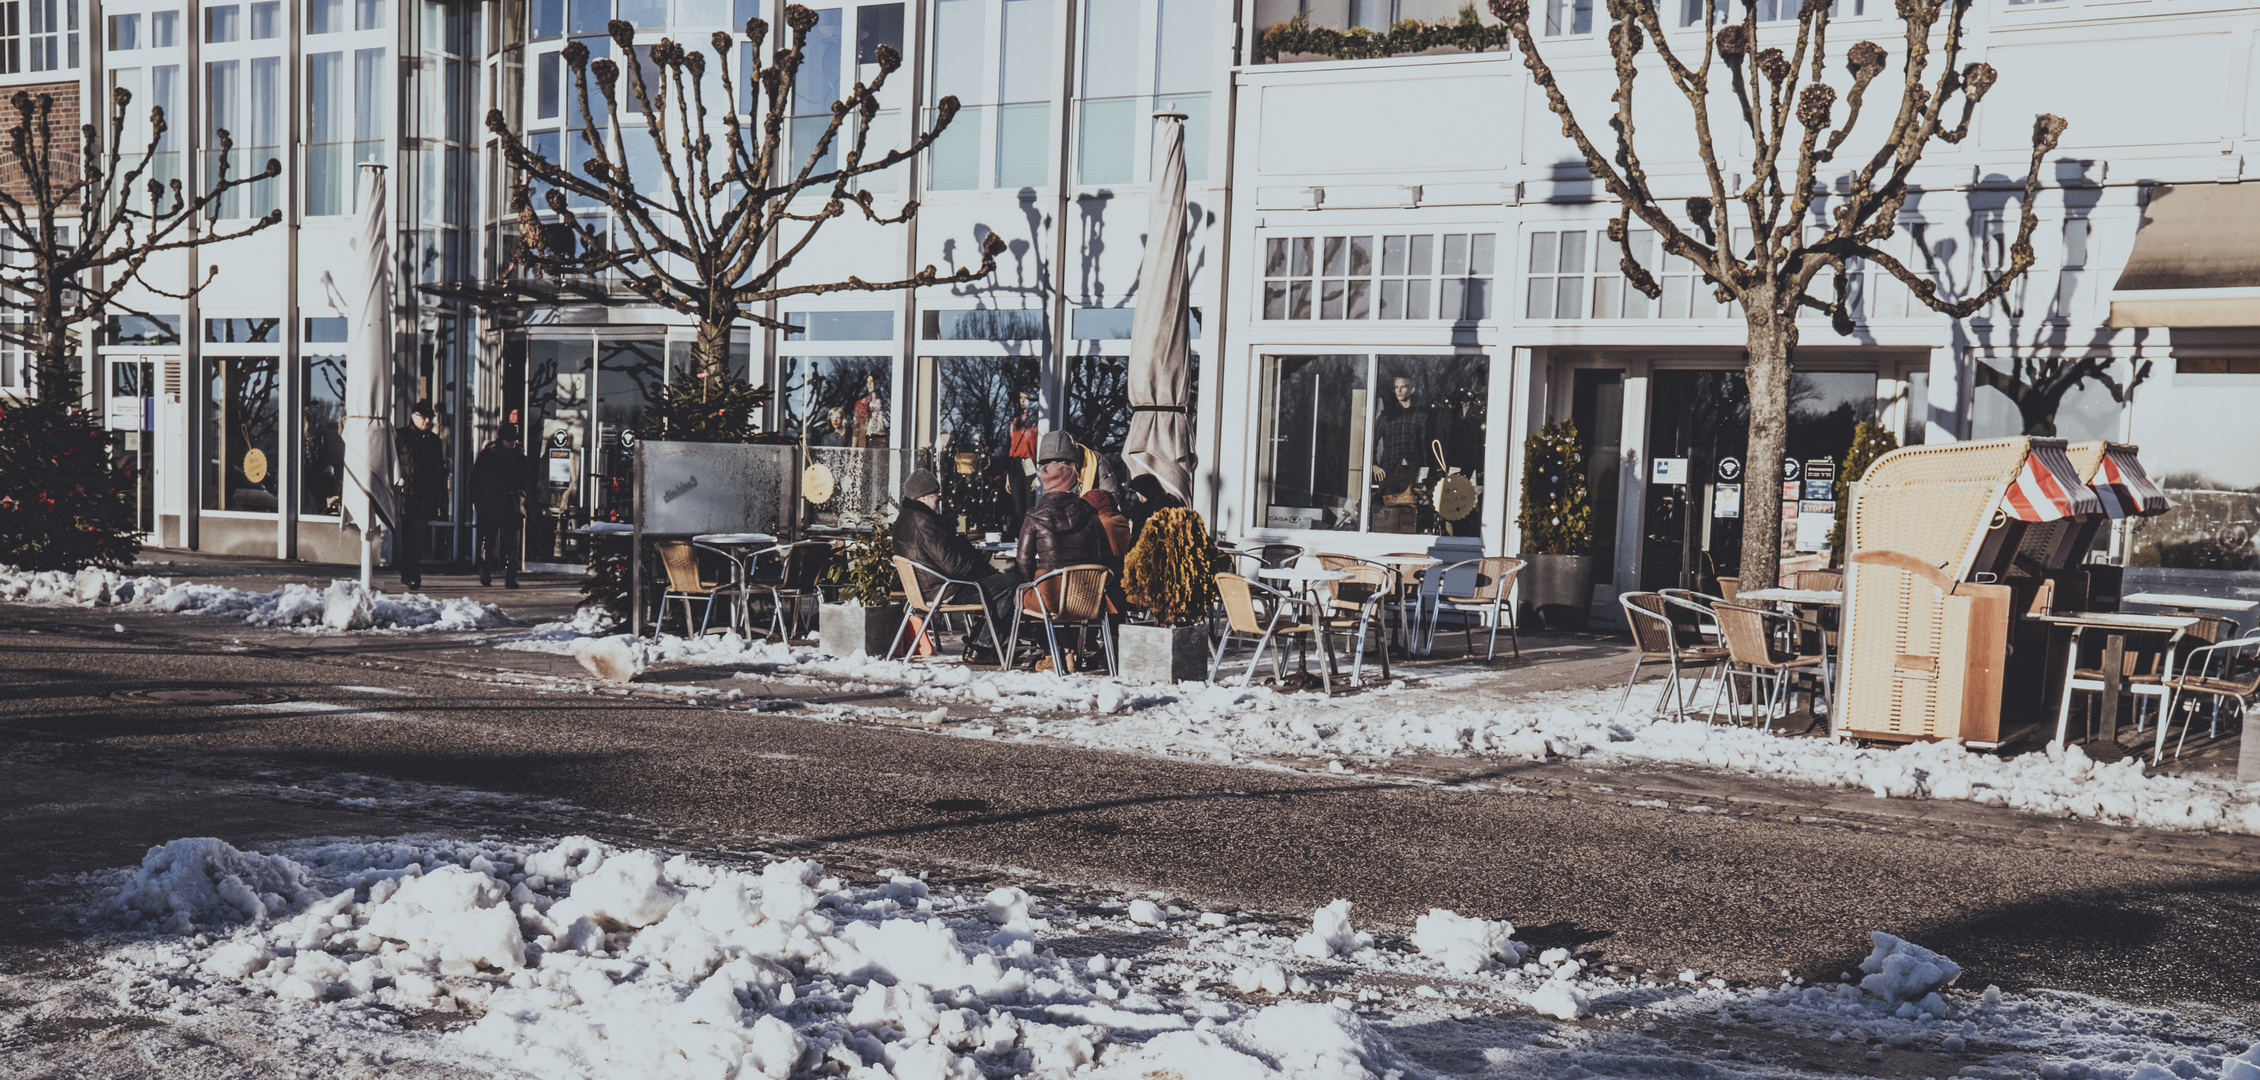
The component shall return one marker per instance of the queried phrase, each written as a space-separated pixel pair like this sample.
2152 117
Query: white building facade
1400 269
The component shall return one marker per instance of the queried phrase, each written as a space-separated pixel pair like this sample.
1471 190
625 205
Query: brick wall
67 138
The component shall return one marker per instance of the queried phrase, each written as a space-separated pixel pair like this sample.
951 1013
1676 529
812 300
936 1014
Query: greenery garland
1405 38
1557 512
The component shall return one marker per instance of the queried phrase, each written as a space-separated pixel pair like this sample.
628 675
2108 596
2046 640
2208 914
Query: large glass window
815 87
53 34
630 375
241 467
1337 456
1097 399
1024 88
838 400
1411 276
1117 96
960 58
328 147
1576 274
988 413
321 476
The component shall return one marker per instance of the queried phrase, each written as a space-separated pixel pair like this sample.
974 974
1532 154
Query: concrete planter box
1162 654
1557 591
845 629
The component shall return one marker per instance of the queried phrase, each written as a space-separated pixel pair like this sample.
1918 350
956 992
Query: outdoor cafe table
1311 581
741 567
1406 566
2115 627
2192 605
1818 597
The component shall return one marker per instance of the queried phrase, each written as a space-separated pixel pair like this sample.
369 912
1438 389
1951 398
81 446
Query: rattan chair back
1644 612
1494 577
680 560
1274 556
1069 594
1749 641
911 592
1239 604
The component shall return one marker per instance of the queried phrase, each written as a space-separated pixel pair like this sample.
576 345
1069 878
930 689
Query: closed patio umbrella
368 502
1160 441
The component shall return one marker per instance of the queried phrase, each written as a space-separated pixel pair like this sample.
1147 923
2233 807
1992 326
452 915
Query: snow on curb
581 960
1231 723
341 606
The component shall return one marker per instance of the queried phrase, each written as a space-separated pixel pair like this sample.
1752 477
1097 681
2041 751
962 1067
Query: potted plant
868 612
1171 573
1557 529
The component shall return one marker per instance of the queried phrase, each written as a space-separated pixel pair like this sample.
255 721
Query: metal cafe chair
799 566
1071 596
1360 601
2227 671
1491 595
1658 638
930 611
686 584
1754 639
1243 619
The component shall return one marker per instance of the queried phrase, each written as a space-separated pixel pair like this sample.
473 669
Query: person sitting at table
1117 526
925 537
1061 529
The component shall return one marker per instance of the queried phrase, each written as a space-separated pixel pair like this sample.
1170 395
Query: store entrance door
1699 477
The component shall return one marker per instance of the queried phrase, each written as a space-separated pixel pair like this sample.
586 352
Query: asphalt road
104 758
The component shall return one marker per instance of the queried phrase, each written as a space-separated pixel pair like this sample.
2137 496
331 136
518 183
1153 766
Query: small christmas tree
64 505
1869 442
1557 512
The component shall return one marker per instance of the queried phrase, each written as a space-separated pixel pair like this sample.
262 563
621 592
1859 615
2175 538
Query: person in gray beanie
925 537
1061 529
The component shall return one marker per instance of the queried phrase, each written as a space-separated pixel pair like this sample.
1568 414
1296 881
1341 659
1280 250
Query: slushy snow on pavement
1232 724
575 959
343 605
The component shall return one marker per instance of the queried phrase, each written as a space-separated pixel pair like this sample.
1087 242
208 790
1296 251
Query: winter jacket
926 538
422 459
1117 526
1062 530
498 477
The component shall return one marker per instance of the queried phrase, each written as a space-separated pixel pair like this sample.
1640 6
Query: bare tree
1797 223
79 235
697 238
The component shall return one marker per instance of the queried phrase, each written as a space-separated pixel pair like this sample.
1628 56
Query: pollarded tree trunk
1773 337
710 351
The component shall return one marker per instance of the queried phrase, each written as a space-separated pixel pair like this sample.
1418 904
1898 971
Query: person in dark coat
1061 529
925 537
499 490
421 457
1117 526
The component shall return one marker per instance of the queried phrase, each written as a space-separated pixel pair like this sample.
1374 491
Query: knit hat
920 484
1058 446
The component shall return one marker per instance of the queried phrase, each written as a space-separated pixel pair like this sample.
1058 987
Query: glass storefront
988 413
240 467
837 400
1693 531
1336 456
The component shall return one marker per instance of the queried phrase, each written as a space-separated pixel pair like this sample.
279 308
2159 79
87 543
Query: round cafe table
1311 581
1407 566
734 547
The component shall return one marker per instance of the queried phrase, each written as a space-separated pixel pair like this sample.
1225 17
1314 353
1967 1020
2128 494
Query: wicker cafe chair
799 567
1695 611
1360 602
2144 669
930 611
1491 594
1274 556
1660 639
1071 596
686 583
2229 670
1755 645
1254 611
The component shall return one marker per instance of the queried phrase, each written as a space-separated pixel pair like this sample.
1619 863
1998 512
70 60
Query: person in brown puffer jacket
1061 529
1117 526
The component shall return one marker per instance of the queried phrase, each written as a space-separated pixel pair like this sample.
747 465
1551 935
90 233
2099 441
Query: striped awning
2123 488
2049 488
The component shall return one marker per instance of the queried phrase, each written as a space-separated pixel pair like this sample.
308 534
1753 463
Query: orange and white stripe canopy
2123 488
2049 488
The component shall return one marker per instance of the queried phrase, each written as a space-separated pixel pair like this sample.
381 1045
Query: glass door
1692 531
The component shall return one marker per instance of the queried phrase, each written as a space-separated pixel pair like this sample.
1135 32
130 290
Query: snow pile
618 658
1907 974
341 606
1464 945
201 883
576 959
1330 933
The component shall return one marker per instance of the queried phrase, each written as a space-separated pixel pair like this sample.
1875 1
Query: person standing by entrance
422 460
499 487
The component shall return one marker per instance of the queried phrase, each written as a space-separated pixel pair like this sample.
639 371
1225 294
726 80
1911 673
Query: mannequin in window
1401 448
871 415
834 431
